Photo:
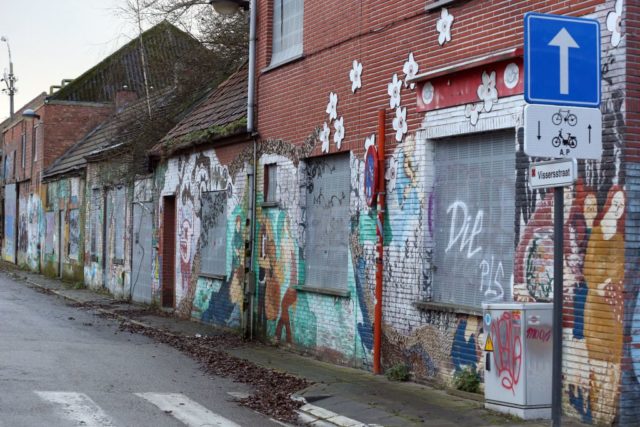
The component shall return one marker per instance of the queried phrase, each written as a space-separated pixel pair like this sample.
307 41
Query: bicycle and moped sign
562 87
562 132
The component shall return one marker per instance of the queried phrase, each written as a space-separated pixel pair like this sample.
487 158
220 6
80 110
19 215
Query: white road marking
77 407
186 410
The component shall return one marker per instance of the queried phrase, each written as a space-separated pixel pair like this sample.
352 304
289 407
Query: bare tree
226 37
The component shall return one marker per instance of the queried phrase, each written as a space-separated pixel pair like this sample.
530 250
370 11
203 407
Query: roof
222 114
34 104
164 47
121 129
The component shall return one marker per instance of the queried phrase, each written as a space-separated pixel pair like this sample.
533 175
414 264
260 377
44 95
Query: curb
312 415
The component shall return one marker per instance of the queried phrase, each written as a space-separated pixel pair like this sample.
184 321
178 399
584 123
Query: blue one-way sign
562 60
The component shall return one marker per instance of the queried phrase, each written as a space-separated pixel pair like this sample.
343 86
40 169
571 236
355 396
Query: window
119 224
213 240
23 150
328 223
34 143
270 183
474 219
287 29
95 222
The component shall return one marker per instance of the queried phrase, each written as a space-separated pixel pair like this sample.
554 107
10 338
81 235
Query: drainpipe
377 321
253 14
251 83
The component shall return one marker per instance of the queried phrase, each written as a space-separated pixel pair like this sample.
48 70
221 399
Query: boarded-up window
270 182
74 234
119 205
328 181
95 222
213 238
474 219
287 29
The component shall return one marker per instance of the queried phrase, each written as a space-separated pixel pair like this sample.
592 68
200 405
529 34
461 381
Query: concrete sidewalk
340 396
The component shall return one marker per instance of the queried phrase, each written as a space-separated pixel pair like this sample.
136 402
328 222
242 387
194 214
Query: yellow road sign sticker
488 345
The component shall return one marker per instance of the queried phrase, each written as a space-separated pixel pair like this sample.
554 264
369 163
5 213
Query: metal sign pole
558 285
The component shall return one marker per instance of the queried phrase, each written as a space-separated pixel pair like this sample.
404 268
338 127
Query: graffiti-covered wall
107 230
461 226
10 211
61 230
211 210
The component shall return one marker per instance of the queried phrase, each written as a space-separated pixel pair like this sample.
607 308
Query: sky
55 40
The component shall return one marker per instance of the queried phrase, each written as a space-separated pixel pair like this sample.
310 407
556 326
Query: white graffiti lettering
466 238
491 278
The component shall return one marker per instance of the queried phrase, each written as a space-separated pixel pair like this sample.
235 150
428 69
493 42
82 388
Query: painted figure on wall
604 275
185 233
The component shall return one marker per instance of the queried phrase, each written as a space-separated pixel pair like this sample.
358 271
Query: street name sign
562 132
556 173
562 60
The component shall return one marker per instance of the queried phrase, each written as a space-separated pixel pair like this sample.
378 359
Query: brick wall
292 99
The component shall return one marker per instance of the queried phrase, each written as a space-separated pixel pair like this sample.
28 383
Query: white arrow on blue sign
562 60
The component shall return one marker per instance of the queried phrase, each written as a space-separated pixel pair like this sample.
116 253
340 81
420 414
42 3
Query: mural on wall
189 177
10 205
593 256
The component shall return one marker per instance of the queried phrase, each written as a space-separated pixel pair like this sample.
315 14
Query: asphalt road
64 366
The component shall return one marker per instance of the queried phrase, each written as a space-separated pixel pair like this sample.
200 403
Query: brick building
199 207
461 226
30 146
44 222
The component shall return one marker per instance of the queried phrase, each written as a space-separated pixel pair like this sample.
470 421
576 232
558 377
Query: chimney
124 97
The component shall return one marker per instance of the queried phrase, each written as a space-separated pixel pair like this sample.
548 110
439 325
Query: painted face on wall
186 231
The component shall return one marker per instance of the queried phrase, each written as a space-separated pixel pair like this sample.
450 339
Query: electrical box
518 358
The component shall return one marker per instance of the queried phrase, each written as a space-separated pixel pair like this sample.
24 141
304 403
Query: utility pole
9 79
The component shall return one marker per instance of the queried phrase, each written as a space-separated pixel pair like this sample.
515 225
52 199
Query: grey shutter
328 221
474 218
213 238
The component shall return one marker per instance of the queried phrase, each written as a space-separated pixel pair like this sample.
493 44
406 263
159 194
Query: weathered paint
10 206
187 177
61 230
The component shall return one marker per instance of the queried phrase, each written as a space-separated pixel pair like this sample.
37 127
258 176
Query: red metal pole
377 321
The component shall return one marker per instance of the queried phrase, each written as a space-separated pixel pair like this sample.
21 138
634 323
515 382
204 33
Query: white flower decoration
393 89
354 76
427 93
391 174
338 136
369 141
324 137
614 24
487 91
332 106
511 75
444 26
472 112
400 123
410 70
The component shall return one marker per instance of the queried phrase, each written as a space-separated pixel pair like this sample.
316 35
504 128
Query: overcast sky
55 40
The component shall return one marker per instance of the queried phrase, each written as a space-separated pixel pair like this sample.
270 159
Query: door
106 218
60 245
168 251
141 268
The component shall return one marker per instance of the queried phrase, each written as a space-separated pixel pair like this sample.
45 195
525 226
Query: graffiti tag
460 228
508 349
540 334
